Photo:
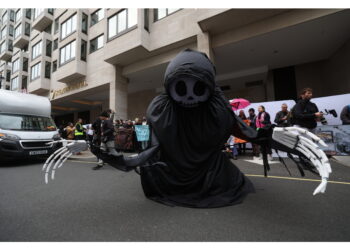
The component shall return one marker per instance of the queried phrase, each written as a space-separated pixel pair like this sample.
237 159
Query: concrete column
204 45
118 95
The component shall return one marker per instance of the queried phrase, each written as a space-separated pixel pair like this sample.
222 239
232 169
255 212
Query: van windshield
26 123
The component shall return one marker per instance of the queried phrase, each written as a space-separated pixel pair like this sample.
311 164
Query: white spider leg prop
58 158
305 142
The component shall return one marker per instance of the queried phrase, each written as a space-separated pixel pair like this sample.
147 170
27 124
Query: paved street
109 205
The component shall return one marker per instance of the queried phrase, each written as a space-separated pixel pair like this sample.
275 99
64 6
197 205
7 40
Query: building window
8 75
15 66
54 66
4 17
12 15
50 11
161 13
3 32
11 30
69 26
56 26
121 21
67 53
29 13
18 30
25 64
14 83
37 12
18 15
84 23
48 48
2 47
55 44
36 50
10 46
27 29
47 70
83 50
35 71
97 16
96 43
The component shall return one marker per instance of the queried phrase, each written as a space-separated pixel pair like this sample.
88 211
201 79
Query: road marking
91 162
297 179
256 175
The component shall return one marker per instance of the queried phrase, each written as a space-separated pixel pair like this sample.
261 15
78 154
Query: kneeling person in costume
189 123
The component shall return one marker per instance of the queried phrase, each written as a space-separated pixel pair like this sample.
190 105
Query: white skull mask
188 91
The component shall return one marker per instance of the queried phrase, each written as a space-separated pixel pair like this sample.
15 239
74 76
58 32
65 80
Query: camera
323 120
332 112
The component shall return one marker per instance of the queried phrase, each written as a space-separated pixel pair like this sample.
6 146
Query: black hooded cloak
192 170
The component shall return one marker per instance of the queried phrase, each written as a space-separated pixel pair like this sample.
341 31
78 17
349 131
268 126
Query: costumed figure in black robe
184 164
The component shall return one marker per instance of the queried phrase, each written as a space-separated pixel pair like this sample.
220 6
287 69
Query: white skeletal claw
309 134
306 143
61 155
58 164
51 156
51 162
322 187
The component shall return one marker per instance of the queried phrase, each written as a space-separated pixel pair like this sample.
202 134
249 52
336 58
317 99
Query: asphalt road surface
109 205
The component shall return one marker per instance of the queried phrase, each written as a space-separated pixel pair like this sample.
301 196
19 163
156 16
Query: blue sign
142 132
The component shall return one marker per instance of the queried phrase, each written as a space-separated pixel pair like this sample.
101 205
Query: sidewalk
84 156
344 160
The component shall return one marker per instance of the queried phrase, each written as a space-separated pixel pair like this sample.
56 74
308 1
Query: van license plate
38 152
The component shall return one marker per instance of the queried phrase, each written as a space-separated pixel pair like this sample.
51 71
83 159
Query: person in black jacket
282 117
107 134
305 112
96 126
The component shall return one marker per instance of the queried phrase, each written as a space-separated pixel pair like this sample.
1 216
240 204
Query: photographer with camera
282 118
305 113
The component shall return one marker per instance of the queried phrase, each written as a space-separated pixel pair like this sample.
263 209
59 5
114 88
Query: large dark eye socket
199 88
181 88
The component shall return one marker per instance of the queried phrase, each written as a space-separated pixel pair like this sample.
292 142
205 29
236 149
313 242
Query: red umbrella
239 103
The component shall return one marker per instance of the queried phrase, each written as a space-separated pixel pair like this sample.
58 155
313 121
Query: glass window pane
62 55
172 10
121 21
100 42
132 17
112 26
161 13
69 26
63 30
72 49
74 23
67 53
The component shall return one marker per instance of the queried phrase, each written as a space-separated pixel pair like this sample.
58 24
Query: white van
25 125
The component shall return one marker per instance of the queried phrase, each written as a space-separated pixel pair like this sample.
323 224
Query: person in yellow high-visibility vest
79 130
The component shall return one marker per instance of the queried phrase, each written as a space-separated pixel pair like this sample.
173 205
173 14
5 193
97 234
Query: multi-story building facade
88 60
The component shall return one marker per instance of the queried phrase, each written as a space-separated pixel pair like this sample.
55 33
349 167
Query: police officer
79 130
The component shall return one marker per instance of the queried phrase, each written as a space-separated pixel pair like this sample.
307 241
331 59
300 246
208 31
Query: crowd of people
304 114
120 134
104 131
